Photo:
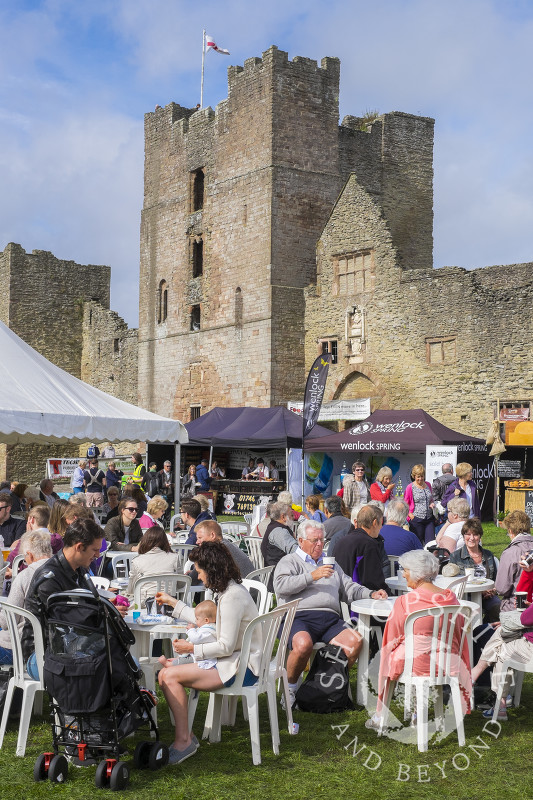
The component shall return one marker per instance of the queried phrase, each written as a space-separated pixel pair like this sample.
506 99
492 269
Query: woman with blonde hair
419 498
155 510
382 487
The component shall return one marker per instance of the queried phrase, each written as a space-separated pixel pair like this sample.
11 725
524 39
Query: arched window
197 257
162 302
197 189
238 307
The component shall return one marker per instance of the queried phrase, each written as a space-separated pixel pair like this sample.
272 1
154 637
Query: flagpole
203 62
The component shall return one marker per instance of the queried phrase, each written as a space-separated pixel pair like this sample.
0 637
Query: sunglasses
130 508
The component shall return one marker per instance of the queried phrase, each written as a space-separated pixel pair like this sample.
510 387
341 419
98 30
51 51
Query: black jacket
56 575
360 550
12 529
115 534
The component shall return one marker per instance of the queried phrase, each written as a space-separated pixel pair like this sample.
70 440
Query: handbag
327 686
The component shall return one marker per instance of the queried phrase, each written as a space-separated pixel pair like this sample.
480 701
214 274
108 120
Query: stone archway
357 385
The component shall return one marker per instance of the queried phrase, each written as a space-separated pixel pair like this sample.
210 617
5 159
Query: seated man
450 535
62 573
210 531
47 492
192 515
336 525
278 540
36 547
11 528
361 554
321 588
398 540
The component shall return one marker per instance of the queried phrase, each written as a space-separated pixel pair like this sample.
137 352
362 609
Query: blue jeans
6 656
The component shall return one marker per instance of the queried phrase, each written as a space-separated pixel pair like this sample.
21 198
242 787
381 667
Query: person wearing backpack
94 481
320 588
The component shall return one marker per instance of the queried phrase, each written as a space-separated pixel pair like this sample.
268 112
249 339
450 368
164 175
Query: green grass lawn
314 763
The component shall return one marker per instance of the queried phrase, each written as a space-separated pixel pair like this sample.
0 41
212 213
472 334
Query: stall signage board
436 456
337 410
63 468
240 503
528 505
509 469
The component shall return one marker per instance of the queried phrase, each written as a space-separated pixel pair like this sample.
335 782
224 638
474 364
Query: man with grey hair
278 540
397 539
450 535
336 525
36 547
321 588
47 493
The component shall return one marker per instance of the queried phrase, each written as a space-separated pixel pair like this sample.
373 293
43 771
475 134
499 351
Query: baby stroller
95 700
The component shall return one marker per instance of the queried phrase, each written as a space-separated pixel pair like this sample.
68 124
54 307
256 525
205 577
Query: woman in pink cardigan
419 498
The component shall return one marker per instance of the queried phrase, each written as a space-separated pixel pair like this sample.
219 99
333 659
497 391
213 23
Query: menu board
509 469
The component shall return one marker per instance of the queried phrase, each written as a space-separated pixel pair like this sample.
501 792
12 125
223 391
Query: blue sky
76 79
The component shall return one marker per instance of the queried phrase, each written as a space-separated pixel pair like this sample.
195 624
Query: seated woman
155 510
36 547
518 527
473 555
124 532
235 609
113 499
312 505
136 493
497 650
382 487
420 569
155 558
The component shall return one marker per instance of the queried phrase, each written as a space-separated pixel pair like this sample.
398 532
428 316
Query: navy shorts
249 679
322 626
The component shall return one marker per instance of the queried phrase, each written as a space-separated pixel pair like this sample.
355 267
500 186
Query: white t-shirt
453 531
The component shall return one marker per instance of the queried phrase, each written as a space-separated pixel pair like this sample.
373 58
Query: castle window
116 345
197 189
195 412
197 257
441 350
195 318
162 302
238 307
353 273
329 346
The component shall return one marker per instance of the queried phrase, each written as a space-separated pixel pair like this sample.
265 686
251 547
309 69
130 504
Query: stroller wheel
120 776
58 770
40 769
100 778
158 756
141 756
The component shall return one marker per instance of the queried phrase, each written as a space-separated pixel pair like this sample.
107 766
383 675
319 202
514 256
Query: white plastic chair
253 545
248 520
235 528
393 561
32 689
432 543
519 667
443 670
457 586
182 551
268 624
169 582
173 521
262 597
15 566
262 575
123 560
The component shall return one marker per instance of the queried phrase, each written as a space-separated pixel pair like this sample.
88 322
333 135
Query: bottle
344 472
399 488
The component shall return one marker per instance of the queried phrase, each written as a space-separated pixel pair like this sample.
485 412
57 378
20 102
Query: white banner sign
436 456
59 469
339 409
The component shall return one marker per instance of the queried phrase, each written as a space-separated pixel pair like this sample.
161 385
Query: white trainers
292 699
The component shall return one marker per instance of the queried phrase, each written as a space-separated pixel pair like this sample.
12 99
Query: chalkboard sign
509 469
529 505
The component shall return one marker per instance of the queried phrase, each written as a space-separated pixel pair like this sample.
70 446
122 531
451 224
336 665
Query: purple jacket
450 492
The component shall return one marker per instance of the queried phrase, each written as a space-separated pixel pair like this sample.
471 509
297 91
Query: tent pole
287 468
210 458
177 477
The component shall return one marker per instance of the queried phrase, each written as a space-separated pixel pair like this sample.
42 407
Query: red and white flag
212 45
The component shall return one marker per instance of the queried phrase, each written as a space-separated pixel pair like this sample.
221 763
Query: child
312 504
203 632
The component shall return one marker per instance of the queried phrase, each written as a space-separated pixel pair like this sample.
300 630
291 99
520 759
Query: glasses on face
475 535
2 507
131 509
358 470
315 541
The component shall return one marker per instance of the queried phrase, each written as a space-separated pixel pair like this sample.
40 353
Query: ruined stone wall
445 340
109 357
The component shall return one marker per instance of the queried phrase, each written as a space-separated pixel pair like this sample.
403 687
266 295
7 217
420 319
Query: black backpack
327 686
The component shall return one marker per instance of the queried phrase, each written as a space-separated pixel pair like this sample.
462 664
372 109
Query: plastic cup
136 615
521 598
469 572
328 561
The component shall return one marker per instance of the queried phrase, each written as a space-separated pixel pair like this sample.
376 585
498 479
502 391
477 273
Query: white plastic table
474 588
145 635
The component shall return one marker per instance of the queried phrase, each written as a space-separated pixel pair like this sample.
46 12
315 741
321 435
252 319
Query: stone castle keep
271 233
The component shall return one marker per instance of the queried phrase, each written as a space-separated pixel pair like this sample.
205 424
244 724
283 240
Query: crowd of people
322 558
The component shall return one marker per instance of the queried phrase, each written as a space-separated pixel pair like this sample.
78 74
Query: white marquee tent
42 404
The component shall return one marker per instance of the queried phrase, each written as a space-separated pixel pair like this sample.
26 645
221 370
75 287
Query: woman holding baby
235 609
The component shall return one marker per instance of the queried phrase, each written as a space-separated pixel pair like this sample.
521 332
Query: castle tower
235 201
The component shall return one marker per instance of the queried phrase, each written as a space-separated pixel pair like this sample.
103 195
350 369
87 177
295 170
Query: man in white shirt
260 472
450 535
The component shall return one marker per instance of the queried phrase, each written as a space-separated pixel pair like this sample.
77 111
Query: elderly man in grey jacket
321 588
